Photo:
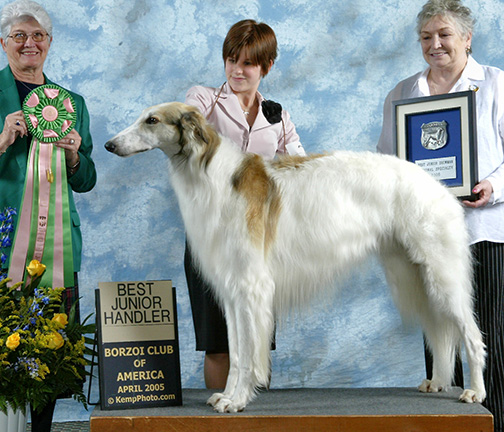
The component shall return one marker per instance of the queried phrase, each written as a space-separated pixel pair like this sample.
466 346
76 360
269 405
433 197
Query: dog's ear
193 123
194 129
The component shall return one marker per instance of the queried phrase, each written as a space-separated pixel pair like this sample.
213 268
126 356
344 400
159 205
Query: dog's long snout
110 146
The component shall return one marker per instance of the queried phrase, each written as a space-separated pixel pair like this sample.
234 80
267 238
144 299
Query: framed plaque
438 133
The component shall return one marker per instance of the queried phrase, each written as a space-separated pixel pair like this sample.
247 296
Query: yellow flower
42 371
13 341
55 341
61 319
35 268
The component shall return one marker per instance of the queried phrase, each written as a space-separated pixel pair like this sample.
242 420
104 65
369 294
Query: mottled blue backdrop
337 61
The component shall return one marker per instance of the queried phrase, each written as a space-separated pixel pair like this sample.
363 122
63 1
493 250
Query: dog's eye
152 120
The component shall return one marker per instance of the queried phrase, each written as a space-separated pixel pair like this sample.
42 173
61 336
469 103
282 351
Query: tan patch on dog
263 200
289 162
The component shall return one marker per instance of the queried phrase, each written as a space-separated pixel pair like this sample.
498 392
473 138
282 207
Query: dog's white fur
270 235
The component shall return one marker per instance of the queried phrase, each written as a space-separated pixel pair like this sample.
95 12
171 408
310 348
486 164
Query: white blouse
484 223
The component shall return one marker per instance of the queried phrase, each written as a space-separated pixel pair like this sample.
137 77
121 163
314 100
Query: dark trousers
209 322
489 294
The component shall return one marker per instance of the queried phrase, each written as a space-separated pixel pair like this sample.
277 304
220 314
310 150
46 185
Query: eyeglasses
21 37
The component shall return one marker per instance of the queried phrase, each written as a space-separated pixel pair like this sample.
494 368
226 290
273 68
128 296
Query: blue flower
6 227
63 334
31 366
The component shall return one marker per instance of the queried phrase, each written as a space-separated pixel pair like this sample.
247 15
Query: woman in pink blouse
238 111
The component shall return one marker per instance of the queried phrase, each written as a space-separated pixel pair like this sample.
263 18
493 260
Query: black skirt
208 319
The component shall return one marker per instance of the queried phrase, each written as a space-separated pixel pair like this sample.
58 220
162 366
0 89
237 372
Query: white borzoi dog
270 235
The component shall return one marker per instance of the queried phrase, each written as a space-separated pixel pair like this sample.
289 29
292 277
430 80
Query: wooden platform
289 410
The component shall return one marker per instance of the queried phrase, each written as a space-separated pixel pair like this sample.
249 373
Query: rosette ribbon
44 228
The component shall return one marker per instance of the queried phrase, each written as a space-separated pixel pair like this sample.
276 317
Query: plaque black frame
460 107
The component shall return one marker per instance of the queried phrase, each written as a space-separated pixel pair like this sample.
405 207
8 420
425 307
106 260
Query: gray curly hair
451 9
21 11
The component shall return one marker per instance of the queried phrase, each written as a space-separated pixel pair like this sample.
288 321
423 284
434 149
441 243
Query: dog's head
177 129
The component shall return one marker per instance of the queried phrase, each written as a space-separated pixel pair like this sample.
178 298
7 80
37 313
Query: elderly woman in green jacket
26 36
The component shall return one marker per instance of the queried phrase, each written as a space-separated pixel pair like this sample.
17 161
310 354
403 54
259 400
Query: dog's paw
471 396
429 386
224 404
228 406
215 398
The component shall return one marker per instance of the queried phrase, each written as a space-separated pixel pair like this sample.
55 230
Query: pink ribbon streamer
20 249
45 161
58 263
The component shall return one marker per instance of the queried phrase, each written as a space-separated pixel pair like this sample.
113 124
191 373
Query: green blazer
13 161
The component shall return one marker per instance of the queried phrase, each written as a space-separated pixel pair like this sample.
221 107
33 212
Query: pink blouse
223 110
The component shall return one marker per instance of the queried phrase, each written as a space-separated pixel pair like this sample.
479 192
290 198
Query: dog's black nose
110 146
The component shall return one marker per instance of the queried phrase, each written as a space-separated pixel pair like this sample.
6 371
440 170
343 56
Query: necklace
30 87
24 84
248 109
24 89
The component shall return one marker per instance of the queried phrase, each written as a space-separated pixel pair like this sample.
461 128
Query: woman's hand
484 191
14 126
71 144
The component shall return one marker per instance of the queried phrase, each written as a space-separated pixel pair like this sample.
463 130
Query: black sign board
139 361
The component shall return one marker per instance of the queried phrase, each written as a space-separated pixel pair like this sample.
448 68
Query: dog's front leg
240 354
252 316
233 357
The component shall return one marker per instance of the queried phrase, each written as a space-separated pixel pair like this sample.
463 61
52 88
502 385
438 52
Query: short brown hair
257 38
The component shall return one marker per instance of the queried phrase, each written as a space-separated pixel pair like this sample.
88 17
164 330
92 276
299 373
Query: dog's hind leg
445 313
448 284
442 338
405 282
475 350
409 294
252 314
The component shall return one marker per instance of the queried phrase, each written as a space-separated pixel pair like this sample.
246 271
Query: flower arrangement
42 349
